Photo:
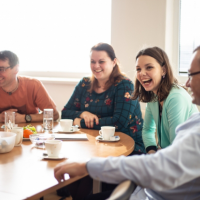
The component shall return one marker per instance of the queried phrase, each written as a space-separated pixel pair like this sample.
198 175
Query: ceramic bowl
7 141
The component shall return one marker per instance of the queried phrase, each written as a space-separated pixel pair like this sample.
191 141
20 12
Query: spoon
10 125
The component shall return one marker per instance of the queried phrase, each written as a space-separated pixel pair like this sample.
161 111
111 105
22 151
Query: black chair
123 191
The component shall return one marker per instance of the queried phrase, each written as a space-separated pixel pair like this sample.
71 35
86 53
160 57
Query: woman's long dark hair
116 74
166 83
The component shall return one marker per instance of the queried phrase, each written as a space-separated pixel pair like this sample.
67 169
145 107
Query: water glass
48 119
9 120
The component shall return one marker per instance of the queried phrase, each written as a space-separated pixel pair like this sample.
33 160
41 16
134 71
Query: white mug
66 124
53 147
107 131
19 135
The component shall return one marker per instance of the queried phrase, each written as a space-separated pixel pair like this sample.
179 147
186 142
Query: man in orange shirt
23 95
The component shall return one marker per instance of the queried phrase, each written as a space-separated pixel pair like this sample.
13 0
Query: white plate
61 131
53 158
99 138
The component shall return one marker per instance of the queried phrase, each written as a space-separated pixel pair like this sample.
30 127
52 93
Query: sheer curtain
54 35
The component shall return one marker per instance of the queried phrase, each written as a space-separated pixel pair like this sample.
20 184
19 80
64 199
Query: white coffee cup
66 124
19 135
107 131
53 147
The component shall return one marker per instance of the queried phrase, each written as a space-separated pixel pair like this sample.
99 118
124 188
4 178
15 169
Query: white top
171 173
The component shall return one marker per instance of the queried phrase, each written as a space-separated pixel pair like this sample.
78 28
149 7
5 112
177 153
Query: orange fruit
27 132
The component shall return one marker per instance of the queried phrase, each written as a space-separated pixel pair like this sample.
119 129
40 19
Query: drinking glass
9 120
48 119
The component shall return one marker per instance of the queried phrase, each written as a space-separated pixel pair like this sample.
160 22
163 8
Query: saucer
99 138
61 156
61 131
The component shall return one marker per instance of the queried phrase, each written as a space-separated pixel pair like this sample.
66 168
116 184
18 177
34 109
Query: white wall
135 24
60 93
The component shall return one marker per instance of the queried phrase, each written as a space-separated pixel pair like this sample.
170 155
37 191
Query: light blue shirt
171 173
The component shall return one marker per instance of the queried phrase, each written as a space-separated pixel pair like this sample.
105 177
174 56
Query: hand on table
2 115
89 119
151 152
71 168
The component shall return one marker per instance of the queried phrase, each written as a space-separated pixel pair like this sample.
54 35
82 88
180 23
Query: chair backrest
123 191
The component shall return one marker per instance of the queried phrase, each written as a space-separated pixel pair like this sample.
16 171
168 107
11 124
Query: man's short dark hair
12 58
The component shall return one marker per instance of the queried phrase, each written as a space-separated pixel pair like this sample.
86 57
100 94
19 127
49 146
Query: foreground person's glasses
3 69
192 74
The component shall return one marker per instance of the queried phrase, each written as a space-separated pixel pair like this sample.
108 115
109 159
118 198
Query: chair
123 191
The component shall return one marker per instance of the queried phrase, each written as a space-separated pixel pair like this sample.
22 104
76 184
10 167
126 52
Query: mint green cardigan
177 108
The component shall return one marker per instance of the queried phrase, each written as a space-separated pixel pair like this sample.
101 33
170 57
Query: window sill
58 80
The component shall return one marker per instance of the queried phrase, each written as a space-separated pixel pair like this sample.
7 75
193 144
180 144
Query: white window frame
172 37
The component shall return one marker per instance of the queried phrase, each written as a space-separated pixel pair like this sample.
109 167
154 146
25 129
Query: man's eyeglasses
3 69
192 74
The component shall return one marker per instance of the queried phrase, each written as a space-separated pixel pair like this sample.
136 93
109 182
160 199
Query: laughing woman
104 98
168 104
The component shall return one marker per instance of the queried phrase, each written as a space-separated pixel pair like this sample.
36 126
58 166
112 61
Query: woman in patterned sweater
104 99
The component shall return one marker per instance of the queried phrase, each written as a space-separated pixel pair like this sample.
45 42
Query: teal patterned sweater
113 108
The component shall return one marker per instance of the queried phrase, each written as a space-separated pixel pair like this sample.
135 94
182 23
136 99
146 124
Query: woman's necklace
10 92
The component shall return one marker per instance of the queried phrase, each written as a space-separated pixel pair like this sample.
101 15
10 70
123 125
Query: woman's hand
89 119
71 168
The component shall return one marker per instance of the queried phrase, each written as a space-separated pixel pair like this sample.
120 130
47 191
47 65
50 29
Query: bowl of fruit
29 130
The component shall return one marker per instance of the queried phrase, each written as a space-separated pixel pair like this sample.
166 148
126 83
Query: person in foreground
172 173
23 95
105 98
168 104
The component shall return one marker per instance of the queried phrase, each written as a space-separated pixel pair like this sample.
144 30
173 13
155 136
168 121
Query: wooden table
25 175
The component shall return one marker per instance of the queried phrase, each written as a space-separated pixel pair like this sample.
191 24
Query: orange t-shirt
28 98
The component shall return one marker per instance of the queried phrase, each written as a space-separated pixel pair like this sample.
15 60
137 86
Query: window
54 36
189 32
